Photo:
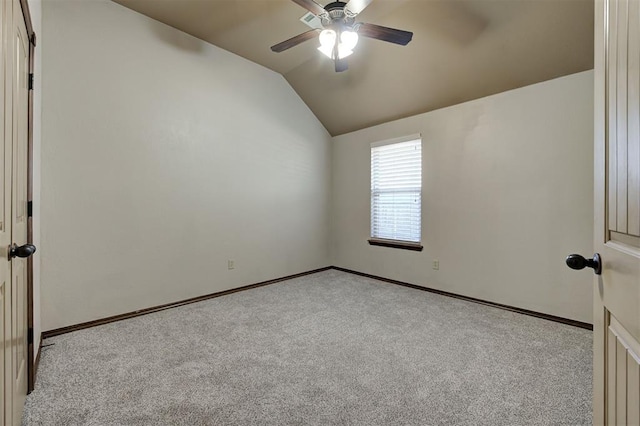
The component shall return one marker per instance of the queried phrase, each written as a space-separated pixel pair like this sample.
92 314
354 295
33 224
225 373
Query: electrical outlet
231 264
436 265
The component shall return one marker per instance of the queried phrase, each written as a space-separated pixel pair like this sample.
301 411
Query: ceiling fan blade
311 6
385 34
357 6
341 65
294 41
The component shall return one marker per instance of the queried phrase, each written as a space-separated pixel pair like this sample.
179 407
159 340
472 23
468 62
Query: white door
5 219
19 209
617 213
14 127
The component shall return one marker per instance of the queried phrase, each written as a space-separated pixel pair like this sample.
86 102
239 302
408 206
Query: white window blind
396 190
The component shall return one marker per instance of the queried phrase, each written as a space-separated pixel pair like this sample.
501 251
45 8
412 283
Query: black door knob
21 251
575 261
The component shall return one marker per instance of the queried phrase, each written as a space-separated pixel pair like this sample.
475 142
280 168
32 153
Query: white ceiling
461 50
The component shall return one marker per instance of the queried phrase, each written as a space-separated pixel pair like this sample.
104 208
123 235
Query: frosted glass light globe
349 39
327 38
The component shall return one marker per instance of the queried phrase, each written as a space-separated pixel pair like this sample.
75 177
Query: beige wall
162 158
507 195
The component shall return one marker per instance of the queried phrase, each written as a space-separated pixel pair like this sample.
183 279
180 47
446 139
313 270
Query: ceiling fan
341 31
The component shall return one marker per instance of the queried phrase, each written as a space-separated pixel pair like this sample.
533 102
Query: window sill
403 245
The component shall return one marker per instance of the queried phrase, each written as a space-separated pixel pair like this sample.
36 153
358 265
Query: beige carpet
326 349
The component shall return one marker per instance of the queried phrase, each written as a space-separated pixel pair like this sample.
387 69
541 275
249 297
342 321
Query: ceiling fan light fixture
328 52
348 40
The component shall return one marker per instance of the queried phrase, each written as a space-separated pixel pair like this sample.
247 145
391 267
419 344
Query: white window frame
387 242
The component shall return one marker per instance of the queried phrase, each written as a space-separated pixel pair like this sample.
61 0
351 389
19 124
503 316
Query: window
396 193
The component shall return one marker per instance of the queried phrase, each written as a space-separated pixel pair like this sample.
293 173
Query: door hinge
30 81
30 209
30 336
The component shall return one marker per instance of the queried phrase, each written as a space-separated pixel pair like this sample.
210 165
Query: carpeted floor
326 349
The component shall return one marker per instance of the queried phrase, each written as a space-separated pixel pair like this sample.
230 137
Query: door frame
31 367
600 129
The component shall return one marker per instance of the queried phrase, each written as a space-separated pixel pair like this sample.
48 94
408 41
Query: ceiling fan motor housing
337 15
336 5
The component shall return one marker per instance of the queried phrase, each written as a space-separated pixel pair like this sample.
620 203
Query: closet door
6 160
19 211
14 130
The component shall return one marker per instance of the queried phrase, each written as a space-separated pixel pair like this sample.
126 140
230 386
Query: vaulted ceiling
461 50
